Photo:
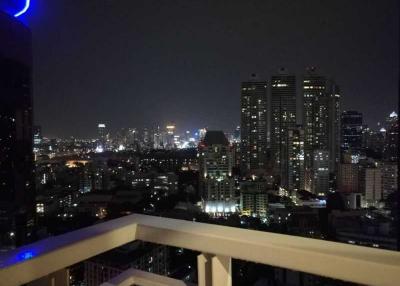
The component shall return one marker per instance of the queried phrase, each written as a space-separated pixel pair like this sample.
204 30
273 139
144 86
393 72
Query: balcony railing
46 262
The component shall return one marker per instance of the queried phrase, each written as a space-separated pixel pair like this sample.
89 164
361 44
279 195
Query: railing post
59 278
204 271
221 270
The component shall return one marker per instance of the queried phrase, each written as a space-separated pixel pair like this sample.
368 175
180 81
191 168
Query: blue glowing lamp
27 255
15 7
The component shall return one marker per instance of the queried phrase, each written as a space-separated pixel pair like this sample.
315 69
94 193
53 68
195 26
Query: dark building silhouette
351 131
17 190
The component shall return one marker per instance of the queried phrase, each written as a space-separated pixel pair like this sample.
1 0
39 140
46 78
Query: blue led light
26 255
26 7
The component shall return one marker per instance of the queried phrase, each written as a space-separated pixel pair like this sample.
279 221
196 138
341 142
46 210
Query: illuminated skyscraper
321 120
37 135
329 129
169 142
391 149
313 87
253 127
296 159
283 118
101 131
101 137
216 162
320 172
17 191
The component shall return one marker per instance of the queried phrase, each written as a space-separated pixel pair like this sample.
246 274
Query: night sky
138 63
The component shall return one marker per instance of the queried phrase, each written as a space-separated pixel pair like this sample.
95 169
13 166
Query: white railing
48 259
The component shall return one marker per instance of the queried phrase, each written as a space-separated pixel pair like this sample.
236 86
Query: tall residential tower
283 118
253 126
321 120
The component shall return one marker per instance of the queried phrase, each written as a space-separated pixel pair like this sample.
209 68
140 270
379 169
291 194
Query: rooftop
213 137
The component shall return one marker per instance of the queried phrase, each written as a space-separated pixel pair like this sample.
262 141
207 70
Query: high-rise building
146 139
101 137
253 126
37 135
254 198
168 140
373 142
320 180
391 147
371 186
17 191
328 126
157 139
201 133
351 132
132 139
37 140
283 118
389 178
313 87
235 142
216 162
348 178
296 159
236 134
321 120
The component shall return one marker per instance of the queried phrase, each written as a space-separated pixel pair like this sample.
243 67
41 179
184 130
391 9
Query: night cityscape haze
114 59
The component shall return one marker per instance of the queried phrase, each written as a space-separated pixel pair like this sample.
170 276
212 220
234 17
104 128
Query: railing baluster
204 270
221 270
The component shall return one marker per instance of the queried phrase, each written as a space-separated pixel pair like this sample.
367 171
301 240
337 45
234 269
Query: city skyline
193 70
92 134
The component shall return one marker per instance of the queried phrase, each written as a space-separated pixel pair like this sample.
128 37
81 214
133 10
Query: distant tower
101 136
283 118
147 139
351 132
37 135
253 127
157 139
169 136
391 149
296 159
320 182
